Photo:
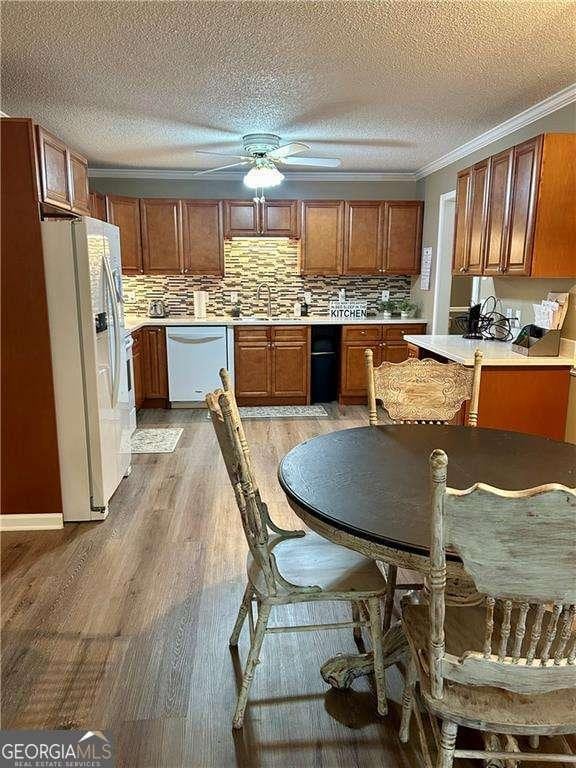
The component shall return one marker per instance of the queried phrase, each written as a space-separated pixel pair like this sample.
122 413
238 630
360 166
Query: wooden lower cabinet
150 367
385 341
272 365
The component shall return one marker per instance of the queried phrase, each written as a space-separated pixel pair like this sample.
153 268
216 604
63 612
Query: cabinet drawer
290 333
252 333
397 332
362 333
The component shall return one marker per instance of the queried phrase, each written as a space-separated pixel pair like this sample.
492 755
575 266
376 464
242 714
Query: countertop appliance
157 308
195 355
93 405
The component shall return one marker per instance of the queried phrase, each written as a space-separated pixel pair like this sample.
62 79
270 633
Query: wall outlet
342 295
385 295
307 297
129 296
234 297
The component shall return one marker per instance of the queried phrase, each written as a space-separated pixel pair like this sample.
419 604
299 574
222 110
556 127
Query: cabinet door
252 362
54 170
125 213
155 362
241 218
460 250
395 353
477 219
402 240
97 206
353 367
322 235
523 197
290 362
161 236
500 169
363 238
202 237
138 365
279 218
79 184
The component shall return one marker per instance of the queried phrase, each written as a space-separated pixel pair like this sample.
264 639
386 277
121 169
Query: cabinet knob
462 269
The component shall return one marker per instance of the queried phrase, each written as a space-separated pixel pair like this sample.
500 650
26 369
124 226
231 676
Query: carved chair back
423 391
227 429
519 548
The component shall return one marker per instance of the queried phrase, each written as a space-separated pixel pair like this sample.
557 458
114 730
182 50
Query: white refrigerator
92 377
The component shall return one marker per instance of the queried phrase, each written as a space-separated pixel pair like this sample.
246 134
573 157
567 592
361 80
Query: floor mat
156 440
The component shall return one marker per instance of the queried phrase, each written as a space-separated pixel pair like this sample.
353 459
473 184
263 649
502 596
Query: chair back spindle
519 549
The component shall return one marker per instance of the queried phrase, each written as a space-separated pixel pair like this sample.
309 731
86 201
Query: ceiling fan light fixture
263 176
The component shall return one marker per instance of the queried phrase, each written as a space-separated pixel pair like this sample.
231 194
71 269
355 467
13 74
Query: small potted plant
386 308
407 308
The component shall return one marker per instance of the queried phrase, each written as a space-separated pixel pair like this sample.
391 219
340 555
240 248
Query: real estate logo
56 749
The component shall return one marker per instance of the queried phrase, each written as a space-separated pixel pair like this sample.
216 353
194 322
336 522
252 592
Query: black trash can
325 343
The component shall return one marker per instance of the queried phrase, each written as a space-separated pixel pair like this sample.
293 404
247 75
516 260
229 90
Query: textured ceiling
386 86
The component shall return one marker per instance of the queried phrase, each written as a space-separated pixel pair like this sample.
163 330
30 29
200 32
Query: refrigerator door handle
117 339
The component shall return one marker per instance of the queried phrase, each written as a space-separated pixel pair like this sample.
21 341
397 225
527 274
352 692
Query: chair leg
390 592
251 662
408 700
376 636
447 744
356 616
242 613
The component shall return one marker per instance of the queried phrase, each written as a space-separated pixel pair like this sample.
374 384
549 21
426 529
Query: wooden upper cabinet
402 240
125 213
322 235
363 238
463 182
98 206
161 236
477 218
202 237
54 170
523 197
241 218
500 168
279 218
80 195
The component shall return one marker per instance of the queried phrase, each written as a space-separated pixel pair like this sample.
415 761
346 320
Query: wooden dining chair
420 392
286 567
423 391
507 665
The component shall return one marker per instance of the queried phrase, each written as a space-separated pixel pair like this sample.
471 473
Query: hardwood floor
123 625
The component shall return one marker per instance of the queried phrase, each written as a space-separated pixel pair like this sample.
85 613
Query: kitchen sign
349 310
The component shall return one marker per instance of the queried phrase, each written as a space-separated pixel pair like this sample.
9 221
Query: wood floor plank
124 624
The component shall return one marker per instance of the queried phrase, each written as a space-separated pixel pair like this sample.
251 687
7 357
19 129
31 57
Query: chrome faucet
267 287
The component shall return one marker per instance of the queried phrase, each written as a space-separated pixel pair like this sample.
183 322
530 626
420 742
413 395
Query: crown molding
541 109
189 175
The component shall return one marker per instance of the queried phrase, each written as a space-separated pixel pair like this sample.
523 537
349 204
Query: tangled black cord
493 325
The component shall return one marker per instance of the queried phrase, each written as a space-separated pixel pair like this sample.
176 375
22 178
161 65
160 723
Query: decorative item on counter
297 309
407 308
387 308
200 303
353 310
157 308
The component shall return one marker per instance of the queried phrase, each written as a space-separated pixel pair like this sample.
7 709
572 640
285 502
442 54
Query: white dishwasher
195 355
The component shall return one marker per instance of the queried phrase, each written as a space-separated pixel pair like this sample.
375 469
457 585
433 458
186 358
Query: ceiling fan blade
220 168
320 162
288 149
221 154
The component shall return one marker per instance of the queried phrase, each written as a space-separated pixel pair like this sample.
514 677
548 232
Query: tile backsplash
249 262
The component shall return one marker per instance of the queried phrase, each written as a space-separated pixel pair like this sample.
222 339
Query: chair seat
313 560
484 707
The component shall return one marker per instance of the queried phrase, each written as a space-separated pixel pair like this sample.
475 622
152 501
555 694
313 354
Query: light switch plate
234 297
385 295
307 297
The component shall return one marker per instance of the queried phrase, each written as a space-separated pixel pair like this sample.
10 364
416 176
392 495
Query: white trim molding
528 116
189 175
47 522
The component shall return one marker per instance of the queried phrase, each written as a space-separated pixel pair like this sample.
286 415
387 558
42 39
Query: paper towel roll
200 303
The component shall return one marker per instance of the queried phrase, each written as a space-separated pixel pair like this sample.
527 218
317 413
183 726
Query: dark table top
374 481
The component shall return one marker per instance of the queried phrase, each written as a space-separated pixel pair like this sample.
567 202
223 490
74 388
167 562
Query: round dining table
367 488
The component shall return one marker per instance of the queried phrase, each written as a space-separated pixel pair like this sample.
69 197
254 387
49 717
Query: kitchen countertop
496 353
134 322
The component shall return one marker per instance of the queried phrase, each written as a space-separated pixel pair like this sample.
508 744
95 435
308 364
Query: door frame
443 250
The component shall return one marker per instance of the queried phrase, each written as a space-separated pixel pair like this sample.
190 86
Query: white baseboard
47 522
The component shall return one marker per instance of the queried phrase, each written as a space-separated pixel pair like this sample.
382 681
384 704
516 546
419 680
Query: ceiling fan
263 152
